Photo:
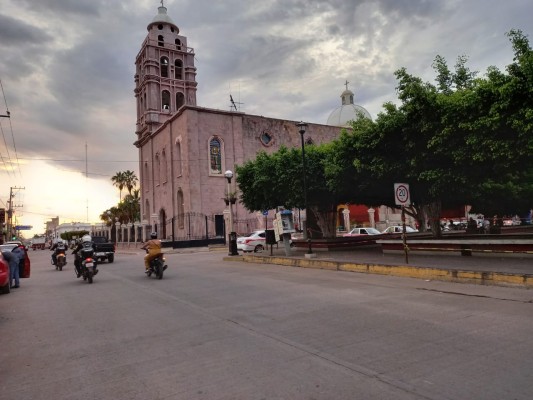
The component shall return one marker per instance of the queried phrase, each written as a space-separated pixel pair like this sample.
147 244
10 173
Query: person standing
13 260
19 251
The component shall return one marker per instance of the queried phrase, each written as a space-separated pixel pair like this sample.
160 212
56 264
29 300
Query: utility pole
3 211
10 211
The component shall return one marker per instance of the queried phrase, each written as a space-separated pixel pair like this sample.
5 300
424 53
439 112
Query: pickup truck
104 249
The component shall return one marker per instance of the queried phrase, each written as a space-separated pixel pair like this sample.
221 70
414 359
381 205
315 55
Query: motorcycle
61 260
87 263
157 266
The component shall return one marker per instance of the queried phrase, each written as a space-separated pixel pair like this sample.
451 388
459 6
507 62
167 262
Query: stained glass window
215 156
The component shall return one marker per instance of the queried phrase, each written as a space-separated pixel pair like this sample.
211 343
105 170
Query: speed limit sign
401 194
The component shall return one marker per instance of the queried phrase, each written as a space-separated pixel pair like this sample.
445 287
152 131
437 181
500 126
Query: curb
406 271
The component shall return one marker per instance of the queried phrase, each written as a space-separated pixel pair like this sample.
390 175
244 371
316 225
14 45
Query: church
185 149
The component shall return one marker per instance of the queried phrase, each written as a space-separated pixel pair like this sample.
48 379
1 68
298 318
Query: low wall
464 245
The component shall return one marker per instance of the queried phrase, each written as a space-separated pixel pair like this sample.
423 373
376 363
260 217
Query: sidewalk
481 269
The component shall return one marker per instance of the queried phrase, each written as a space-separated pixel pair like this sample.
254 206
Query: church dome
162 18
348 111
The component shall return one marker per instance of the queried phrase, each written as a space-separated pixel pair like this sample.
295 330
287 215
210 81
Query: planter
482 245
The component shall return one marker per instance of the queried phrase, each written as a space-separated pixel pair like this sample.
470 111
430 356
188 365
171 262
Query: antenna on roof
233 103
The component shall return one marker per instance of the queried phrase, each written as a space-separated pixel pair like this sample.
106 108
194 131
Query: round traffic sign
401 193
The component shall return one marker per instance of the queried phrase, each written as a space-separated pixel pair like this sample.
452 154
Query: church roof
162 18
348 111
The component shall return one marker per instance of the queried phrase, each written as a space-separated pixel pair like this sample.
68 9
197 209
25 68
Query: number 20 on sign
401 194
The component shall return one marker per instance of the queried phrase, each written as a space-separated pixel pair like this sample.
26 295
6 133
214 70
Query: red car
4 275
24 267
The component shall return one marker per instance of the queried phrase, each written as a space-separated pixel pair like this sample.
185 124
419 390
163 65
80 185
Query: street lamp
302 126
232 237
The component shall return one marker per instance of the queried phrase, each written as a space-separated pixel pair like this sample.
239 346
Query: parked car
19 243
399 229
362 232
25 267
4 275
255 241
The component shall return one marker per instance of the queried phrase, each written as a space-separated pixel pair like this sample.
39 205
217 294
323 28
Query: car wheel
259 248
5 289
110 258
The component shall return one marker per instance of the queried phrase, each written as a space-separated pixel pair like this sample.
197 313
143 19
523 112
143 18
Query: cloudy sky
67 73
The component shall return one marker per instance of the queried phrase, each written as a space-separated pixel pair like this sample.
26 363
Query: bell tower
165 78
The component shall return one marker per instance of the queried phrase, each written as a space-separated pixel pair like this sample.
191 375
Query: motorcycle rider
153 247
58 247
85 241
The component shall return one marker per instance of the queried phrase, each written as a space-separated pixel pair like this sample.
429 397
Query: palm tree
131 206
130 180
119 181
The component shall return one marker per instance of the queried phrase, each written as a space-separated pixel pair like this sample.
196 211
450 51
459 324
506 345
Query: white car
362 232
255 241
399 229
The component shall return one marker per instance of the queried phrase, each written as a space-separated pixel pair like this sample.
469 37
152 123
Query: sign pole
402 198
404 237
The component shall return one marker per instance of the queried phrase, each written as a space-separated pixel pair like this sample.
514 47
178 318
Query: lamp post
117 227
302 126
232 237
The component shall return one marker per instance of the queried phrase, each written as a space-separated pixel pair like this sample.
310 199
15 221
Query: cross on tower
345 84
162 5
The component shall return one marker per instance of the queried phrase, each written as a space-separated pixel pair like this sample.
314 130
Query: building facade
185 149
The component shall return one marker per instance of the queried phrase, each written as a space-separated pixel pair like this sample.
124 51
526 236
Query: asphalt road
214 329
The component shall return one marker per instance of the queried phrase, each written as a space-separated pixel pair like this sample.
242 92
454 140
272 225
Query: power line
12 134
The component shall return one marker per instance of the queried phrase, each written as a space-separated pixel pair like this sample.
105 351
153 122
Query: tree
466 140
275 180
119 181
126 179
130 180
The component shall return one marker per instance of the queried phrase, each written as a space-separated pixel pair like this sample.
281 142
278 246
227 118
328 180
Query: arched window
164 67
160 41
146 215
165 100
178 44
163 222
178 69
180 100
157 170
181 210
215 156
147 181
164 175
178 158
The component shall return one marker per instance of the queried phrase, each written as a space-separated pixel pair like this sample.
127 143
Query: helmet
86 238
59 241
153 235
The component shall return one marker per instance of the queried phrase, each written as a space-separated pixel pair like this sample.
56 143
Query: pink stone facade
176 159
180 182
